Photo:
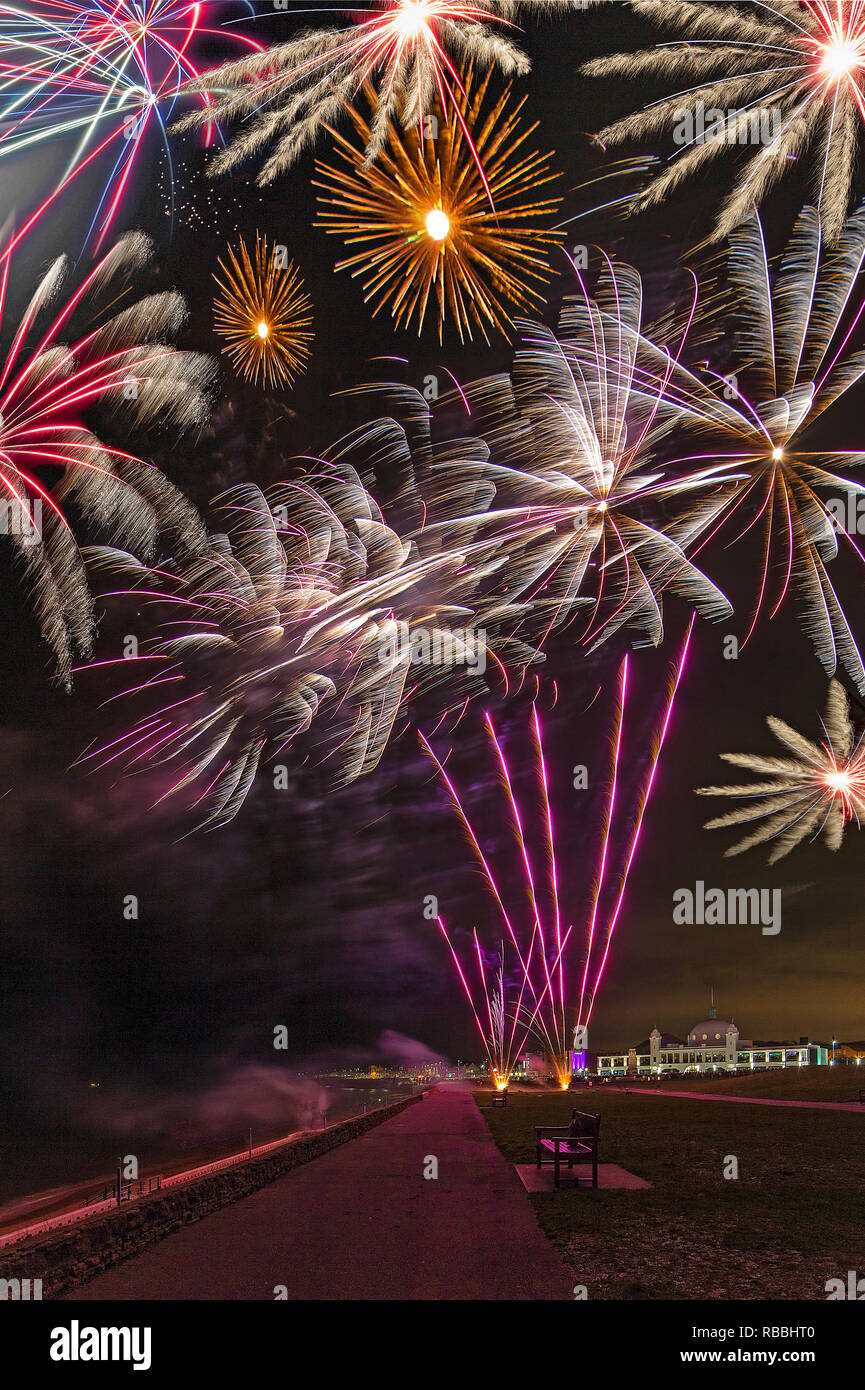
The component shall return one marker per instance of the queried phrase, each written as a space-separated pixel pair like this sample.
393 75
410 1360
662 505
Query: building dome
712 1032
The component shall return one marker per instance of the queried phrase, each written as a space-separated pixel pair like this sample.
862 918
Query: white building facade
712 1045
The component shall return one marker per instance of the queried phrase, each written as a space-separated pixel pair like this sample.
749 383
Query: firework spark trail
483 978
553 1039
608 822
97 72
524 957
551 847
499 1046
540 945
468 993
643 804
538 926
803 64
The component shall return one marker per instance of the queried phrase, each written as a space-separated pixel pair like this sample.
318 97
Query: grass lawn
807 1083
792 1219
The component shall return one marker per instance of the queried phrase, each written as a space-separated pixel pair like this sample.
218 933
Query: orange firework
264 315
422 217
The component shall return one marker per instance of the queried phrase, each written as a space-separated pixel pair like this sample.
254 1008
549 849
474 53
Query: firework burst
122 365
101 77
264 315
409 49
584 513
794 329
423 220
817 789
797 68
307 599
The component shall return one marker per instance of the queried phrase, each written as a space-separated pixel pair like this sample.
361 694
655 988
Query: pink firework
104 77
51 377
559 958
783 76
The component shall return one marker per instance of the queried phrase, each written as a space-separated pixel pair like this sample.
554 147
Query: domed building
712 1045
712 1032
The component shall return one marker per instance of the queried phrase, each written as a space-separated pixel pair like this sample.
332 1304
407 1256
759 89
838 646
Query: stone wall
72 1254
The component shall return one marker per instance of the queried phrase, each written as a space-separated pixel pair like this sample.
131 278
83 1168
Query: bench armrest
552 1129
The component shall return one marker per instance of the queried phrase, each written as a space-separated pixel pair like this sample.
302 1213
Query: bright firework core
839 781
846 785
840 58
412 18
438 224
262 330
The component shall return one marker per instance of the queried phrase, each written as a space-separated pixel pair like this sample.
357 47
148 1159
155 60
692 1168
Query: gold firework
445 215
263 314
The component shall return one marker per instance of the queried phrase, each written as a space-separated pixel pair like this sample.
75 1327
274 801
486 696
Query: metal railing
125 1191
112 1194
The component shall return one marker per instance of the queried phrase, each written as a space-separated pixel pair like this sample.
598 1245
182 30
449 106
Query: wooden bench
500 1098
579 1139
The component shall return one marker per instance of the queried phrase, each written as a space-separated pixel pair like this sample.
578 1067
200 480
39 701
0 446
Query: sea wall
70 1255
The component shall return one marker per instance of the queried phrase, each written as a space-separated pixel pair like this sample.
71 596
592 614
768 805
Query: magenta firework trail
559 968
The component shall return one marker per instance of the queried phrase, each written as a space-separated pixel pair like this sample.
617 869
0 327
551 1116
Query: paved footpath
753 1100
362 1222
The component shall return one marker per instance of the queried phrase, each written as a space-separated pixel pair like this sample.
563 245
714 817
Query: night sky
307 911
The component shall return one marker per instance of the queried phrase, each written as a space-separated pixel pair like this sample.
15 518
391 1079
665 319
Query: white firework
795 71
816 789
411 50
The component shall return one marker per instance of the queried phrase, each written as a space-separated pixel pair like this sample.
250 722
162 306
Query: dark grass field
839 1083
794 1218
